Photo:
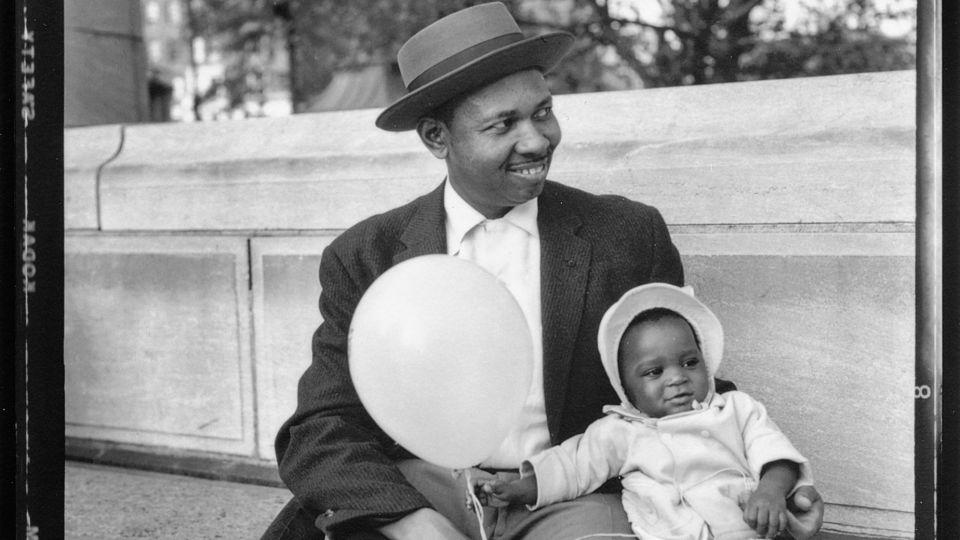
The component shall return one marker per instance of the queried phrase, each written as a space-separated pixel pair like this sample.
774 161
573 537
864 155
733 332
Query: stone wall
192 253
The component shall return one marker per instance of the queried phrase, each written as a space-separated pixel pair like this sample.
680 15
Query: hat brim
542 52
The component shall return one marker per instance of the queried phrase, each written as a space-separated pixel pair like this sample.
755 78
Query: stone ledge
162 459
85 151
795 150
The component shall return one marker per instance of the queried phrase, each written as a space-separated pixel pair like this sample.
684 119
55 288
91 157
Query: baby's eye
691 362
653 373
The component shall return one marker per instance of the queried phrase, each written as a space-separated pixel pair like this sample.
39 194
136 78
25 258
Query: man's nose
532 140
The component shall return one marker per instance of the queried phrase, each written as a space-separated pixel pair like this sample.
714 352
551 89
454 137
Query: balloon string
478 511
477 507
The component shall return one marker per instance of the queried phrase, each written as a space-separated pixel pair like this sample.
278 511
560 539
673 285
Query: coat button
571 263
705 433
328 513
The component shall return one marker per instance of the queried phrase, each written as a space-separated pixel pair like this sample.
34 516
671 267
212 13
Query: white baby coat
682 474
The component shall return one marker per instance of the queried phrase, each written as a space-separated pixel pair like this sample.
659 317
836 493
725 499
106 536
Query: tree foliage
331 35
846 39
619 44
678 42
245 33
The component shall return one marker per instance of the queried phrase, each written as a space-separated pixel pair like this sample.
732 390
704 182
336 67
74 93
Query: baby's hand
766 512
483 494
520 491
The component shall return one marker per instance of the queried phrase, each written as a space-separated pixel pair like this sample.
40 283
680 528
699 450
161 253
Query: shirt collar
461 217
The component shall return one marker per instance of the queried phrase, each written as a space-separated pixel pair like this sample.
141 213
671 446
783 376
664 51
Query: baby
694 464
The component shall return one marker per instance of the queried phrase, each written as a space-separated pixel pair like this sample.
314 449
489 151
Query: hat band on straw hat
463 57
463 52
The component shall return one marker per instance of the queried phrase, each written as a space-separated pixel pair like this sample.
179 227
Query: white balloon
441 357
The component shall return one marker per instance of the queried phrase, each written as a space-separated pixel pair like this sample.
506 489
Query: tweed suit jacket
331 454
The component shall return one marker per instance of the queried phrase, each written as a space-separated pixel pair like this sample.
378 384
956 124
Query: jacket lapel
564 266
425 233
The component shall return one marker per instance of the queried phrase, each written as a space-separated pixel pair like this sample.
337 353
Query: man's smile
530 169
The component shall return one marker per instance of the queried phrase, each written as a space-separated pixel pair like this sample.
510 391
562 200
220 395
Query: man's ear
434 135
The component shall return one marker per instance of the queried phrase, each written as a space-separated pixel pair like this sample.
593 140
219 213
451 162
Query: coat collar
630 413
425 233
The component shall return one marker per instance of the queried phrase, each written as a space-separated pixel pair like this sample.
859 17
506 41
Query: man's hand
519 491
806 513
423 524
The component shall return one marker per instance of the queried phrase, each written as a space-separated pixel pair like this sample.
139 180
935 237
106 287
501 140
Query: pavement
105 503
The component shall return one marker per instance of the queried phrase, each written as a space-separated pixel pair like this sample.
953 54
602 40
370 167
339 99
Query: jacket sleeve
666 267
763 441
580 464
331 454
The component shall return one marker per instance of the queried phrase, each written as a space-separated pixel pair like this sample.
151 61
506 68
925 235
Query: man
478 100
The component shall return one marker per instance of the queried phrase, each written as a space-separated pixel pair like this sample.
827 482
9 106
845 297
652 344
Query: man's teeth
530 171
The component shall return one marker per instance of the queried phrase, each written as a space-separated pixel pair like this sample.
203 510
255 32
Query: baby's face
661 367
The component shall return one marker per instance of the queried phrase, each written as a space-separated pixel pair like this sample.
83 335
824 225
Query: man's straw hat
465 51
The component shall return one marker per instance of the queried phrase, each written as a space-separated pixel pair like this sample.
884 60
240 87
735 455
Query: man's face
499 143
661 367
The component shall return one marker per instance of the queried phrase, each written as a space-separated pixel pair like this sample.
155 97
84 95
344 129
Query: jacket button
328 513
705 433
571 263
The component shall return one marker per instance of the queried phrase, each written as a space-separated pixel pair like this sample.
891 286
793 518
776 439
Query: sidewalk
107 502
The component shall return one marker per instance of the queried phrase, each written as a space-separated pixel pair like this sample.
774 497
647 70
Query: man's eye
543 113
502 125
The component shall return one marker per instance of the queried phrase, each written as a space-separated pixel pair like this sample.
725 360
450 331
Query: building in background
184 74
166 38
142 61
104 65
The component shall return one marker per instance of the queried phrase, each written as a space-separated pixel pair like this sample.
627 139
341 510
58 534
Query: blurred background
203 60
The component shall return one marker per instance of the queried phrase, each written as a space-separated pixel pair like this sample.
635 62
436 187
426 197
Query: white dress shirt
509 248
